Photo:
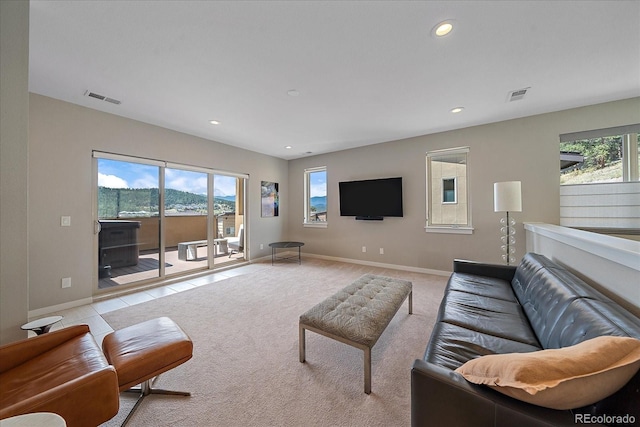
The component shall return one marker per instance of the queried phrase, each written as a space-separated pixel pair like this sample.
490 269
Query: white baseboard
55 308
379 264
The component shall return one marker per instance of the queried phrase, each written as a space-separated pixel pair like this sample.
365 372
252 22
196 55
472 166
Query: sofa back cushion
562 309
527 271
587 318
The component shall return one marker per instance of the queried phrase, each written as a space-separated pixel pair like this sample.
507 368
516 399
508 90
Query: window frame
307 222
429 196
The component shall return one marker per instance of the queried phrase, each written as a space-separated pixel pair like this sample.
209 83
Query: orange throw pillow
564 378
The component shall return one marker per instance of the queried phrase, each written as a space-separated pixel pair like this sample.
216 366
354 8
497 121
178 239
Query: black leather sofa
553 309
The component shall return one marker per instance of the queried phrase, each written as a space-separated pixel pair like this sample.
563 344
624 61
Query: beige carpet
245 369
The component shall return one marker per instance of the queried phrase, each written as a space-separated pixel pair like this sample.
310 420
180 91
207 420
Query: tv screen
372 198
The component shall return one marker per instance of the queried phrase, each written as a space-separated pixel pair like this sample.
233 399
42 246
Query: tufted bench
357 315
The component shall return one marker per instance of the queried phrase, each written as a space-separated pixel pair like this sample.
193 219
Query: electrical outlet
66 282
65 221
381 251
261 246
364 249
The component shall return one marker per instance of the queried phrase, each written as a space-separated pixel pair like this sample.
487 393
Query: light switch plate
65 221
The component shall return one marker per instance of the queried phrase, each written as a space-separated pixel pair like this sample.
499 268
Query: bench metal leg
367 370
302 344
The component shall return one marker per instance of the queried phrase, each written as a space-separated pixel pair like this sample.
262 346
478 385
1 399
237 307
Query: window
448 208
600 156
600 180
315 197
449 192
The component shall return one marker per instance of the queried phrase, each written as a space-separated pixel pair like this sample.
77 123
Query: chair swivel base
145 390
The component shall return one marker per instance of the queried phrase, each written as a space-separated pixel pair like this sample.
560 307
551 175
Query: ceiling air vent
517 95
102 97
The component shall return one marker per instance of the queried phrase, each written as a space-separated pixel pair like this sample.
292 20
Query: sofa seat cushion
566 378
452 345
480 285
491 316
71 360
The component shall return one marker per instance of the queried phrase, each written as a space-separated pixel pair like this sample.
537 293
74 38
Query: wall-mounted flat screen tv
371 199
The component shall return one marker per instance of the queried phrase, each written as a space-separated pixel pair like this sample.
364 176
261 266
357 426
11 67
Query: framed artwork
270 202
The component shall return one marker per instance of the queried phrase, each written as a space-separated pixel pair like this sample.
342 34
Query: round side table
36 419
41 326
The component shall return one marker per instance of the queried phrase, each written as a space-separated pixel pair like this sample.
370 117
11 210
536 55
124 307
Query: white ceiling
366 71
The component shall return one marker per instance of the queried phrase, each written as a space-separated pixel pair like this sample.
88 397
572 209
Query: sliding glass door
186 221
156 220
229 213
128 222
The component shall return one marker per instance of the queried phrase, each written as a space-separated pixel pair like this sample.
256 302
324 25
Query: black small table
285 245
41 326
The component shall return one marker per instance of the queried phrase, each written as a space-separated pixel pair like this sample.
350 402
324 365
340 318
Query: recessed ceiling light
457 109
214 122
443 28
288 147
293 92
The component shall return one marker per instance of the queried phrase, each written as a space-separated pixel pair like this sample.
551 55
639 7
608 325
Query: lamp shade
507 196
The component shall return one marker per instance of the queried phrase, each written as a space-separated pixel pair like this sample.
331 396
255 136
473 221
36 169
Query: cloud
191 182
111 181
318 190
146 181
224 185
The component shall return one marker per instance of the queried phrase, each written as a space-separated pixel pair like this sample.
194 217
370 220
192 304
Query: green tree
598 152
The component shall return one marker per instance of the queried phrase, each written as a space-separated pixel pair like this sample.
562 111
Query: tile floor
91 314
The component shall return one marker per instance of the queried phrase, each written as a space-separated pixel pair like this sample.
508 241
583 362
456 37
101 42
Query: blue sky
117 174
318 184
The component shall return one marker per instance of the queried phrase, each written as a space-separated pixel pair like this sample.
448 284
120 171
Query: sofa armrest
442 397
18 352
504 272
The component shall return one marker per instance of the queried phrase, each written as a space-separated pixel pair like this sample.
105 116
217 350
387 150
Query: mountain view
143 202
318 204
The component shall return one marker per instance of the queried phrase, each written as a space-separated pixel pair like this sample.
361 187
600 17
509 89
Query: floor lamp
507 197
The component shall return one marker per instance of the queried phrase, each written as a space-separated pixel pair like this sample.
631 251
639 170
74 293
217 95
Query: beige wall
62 137
523 149
14 147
